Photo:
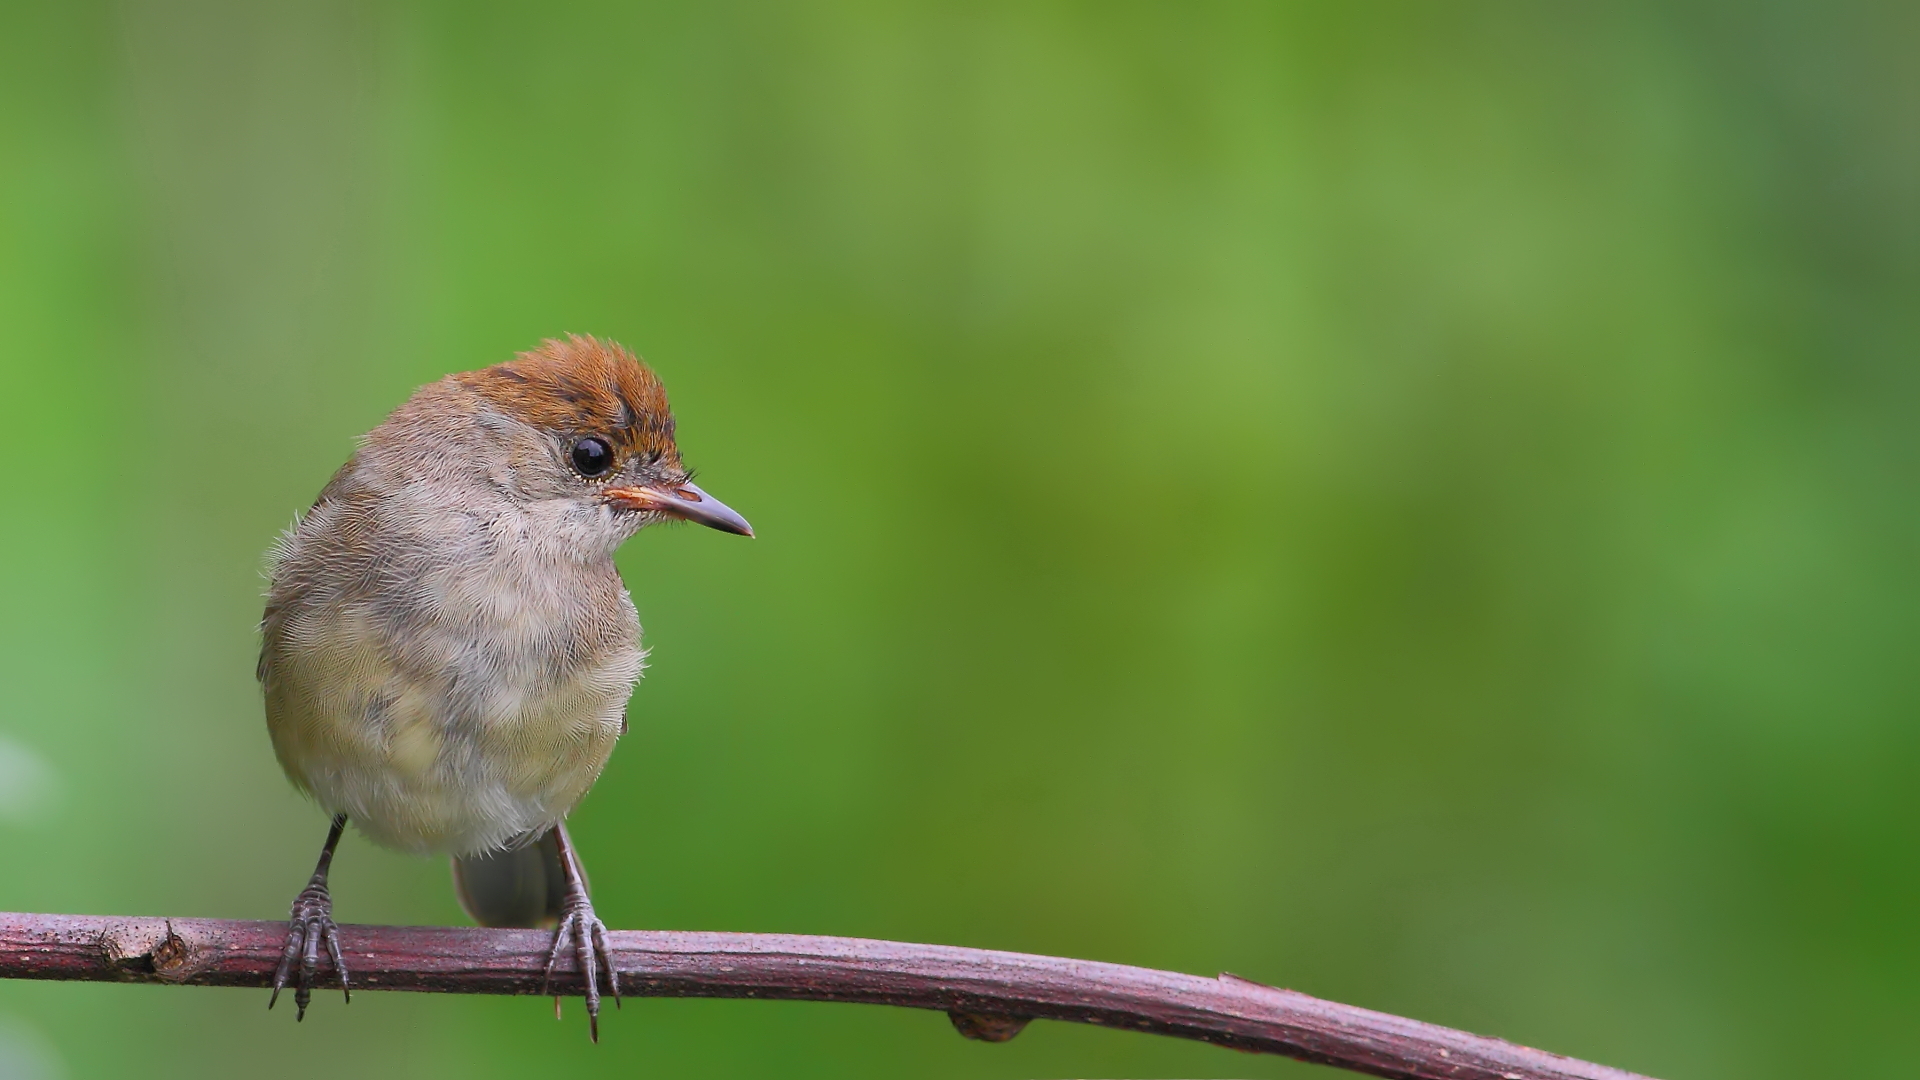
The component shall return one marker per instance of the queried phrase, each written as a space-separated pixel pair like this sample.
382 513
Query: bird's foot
583 930
310 927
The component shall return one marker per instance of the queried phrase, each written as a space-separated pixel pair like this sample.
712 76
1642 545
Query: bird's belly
432 747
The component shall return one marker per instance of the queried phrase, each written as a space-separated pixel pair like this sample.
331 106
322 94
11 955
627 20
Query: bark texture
989 995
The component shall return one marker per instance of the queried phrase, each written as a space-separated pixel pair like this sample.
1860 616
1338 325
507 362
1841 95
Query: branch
989 995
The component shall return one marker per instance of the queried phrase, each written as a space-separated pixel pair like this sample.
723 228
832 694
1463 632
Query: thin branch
988 994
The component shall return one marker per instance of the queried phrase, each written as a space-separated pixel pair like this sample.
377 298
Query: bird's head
582 426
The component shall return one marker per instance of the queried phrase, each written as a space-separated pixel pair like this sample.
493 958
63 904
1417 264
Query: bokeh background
1414 503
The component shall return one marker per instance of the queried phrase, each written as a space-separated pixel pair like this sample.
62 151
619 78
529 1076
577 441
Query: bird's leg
586 933
311 926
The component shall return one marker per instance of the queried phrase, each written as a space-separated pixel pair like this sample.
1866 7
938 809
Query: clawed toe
309 928
583 930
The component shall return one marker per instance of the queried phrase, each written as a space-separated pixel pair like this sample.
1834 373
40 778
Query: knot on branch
987 1027
151 947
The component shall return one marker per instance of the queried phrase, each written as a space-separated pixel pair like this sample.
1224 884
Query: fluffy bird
448 650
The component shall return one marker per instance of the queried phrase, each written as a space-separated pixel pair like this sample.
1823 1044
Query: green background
1414 503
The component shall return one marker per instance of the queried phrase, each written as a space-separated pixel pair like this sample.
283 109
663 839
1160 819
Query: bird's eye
592 456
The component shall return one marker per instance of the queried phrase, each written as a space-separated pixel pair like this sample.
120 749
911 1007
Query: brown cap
583 386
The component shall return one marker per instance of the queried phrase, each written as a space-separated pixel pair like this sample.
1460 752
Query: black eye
592 456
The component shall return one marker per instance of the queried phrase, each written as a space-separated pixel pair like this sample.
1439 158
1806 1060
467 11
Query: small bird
448 650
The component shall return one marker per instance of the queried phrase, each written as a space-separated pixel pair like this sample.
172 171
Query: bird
448 650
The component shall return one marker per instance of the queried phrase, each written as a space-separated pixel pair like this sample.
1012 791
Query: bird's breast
454 699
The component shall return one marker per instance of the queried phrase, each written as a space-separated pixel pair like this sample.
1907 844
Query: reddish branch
989 995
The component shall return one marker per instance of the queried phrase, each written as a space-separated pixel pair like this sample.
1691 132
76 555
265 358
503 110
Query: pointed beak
683 501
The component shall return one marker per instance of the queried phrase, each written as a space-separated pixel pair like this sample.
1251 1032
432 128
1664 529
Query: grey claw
309 927
582 929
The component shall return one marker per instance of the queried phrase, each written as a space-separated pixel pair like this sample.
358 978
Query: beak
683 501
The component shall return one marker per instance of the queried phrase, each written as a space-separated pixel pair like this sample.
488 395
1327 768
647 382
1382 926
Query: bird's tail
520 887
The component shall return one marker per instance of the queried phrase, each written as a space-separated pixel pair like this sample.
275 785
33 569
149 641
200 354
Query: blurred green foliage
1414 503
